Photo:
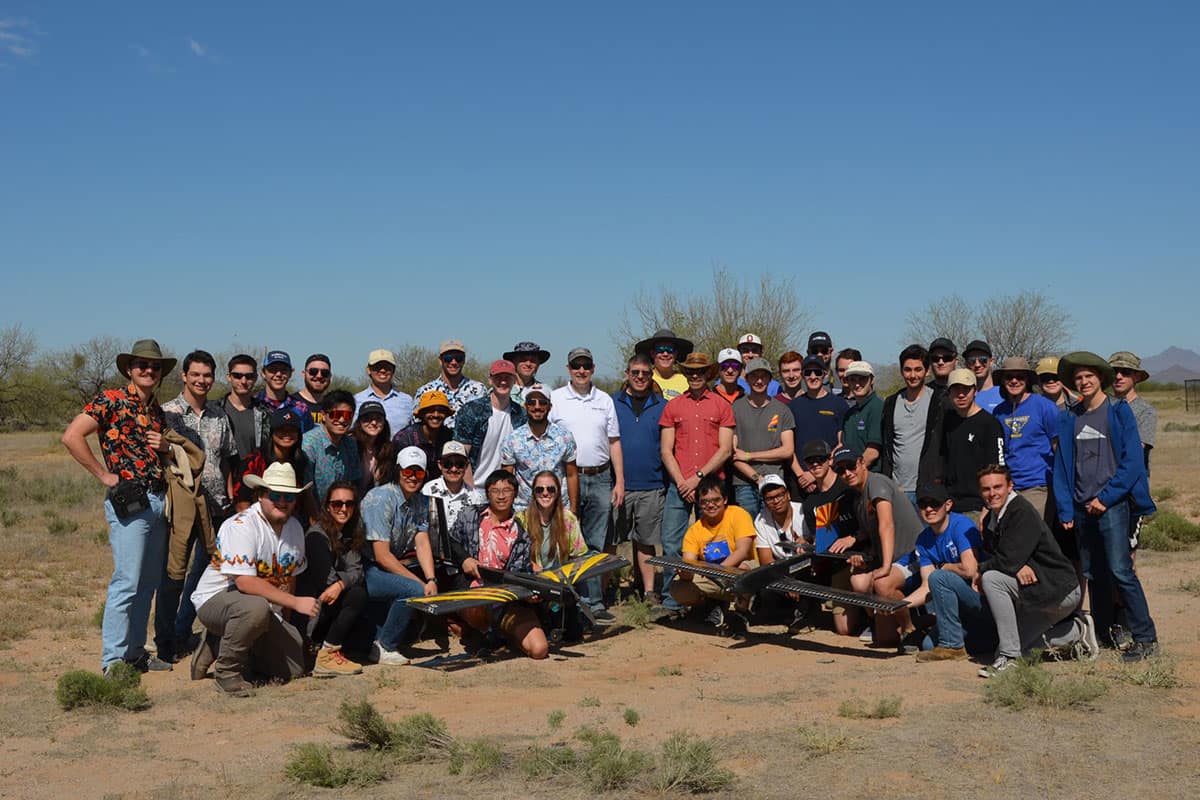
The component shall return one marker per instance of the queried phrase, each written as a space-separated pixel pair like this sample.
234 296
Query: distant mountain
1187 360
1175 374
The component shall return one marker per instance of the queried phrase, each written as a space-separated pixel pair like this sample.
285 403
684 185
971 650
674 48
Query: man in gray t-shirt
763 438
891 523
1128 374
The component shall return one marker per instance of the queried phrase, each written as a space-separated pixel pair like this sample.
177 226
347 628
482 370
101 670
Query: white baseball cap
729 354
411 457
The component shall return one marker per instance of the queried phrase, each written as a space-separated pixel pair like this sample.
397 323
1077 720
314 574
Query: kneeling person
252 578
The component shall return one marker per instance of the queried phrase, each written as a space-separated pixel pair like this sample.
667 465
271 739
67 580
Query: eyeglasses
146 366
977 359
639 373
319 373
413 472
340 504
536 401
501 491
665 348
339 414
587 365
242 376
941 358
550 490
382 366
454 463
814 373
712 502
281 497
777 496
450 358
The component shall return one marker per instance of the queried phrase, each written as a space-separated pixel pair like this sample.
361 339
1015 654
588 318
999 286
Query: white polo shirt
592 420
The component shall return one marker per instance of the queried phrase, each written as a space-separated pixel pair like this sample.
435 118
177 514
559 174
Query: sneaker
737 624
996 667
867 636
235 686
1089 645
653 599
940 653
603 618
204 656
381 655
149 663
716 617
1139 651
330 661
1120 637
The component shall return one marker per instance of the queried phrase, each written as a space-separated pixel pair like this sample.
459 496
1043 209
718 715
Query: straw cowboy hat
279 477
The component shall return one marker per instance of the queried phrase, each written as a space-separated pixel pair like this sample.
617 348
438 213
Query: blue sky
316 177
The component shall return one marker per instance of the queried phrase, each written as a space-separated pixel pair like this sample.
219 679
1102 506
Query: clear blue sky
322 177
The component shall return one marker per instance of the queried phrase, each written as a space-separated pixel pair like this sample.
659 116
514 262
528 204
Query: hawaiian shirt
496 540
389 516
414 436
329 462
124 421
473 420
212 433
529 454
299 406
467 391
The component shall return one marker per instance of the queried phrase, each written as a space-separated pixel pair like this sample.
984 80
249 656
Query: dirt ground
750 696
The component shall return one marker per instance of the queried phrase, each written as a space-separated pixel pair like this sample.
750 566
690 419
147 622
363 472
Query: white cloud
196 47
15 37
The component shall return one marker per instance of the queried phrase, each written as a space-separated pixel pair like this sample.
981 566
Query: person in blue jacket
1099 481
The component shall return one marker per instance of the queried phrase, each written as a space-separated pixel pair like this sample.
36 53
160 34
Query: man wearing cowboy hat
526 357
697 439
666 349
128 424
397 405
252 578
1100 482
1127 374
1030 429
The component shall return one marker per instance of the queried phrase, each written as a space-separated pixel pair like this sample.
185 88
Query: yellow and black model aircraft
555 591
780 577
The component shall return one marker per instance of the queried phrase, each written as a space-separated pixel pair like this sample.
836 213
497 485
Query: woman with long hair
283 445
374 437
553 530
334 576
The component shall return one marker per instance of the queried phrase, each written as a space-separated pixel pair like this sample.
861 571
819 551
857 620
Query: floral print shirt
467 391
496 540
124 421
292 401
211 432
389 516
529 454
329 462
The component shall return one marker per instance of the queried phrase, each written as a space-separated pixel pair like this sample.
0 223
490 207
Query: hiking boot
996 667
330 661
381 655
234 686
1088 645
1139 651
204 656
940 653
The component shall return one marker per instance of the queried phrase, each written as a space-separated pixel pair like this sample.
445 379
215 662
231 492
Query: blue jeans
955 603
595 509
1108 566
139 548
676 518
171 629
748 498
384 585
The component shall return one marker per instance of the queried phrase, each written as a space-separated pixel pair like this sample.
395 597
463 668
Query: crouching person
252 578
1030 586
492 536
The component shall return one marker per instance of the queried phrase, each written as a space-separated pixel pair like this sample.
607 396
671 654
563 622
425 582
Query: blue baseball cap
277 357
284 418
845 455
814 362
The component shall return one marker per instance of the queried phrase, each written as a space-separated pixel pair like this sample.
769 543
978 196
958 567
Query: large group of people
993 499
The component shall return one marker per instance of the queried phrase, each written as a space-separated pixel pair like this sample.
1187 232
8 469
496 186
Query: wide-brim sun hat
1014 364
527 349
149 350
1085 358
667 336
279 477
1123 359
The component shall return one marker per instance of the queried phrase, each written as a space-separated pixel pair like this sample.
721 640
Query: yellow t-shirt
735 524
672 386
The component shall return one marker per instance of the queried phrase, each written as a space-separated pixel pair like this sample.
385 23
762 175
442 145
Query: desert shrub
607 765
1153 673
413 738
318 765
539 763
1169 531
637 613
555 718
690 765
823 741
884 708
121 688
478 758
631 717
1027 683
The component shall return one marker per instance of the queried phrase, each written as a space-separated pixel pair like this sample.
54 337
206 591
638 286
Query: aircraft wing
453 602
816 591
584 568
726 576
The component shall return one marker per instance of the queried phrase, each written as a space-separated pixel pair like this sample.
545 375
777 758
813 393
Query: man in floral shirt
128 423
458 388
540 445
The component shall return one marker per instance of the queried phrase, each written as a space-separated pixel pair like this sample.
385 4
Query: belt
594 470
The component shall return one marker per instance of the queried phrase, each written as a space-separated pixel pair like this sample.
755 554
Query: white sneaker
381 655
996 667
867 636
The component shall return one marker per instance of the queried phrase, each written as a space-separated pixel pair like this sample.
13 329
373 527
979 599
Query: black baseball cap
846 455
942 343
978 346
933 491
814 362
817 448
283 417
819 339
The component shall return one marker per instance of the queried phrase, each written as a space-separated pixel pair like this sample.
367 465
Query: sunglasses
550 490
582 365
146 366
382 366
695 373
1015 379
815 461
340 504
339 414
925 505
844 467
454 463
977 359
728 365
450 358
639 373
319 373
242 376
943 359
1049 379
1124 373
820 351
536 401
413 472
814 373
374 419
281 497
665 348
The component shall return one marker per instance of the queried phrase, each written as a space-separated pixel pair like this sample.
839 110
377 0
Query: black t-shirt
315 409
968 445
829 514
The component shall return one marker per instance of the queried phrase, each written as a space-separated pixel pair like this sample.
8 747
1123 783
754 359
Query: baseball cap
501 366
382 356
859 368
757 364
537 388
433 399
844 455
453 448
814 362
411 457
816 448
961 377
749 338
371 407
277 357
579 352
978 346
283 417
317 357
942 343
932 491
450 345
729 354
770 481
819 339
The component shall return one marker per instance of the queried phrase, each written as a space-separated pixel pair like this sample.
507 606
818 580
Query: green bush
637 613
121 688
1027 683
539 763
98 615
824 741
1181 427
884 708
413 738
606 763
631 717
1153 673
555 718
478 759
690 765
317 765
1169 531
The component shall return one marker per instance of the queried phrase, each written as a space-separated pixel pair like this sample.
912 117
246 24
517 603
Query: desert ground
772 705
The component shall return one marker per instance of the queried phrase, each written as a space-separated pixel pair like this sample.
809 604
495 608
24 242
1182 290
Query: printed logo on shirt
1016 425
861 424
1089 434
826 413
773 425
970 437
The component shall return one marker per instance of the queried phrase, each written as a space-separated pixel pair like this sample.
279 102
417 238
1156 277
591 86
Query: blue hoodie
1130 479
